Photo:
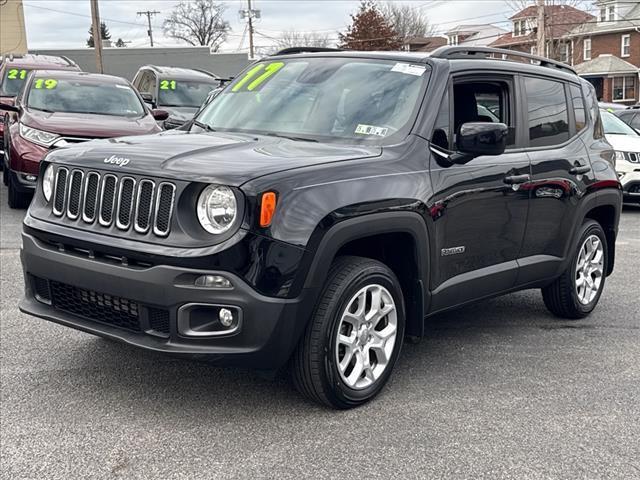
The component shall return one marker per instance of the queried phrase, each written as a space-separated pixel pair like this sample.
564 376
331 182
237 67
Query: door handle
580 170
516 179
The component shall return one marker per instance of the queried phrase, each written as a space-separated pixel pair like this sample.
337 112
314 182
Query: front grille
122 201
117 311
632 157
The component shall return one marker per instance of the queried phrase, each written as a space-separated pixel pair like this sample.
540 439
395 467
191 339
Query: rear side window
578 107
635 122
547 113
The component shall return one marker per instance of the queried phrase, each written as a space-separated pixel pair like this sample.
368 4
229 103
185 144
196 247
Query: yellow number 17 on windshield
265 72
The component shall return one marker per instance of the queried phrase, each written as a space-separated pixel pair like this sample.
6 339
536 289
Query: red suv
13 74
56 109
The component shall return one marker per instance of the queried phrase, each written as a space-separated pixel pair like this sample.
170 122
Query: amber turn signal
267 208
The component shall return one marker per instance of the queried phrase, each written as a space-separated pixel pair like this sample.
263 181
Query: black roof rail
458 52
294 50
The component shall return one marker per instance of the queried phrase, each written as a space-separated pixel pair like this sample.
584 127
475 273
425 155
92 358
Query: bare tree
198 22
293 38
407 20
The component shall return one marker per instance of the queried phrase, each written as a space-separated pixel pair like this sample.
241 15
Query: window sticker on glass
48 83
15 74
167 84
252 80
371 130
409 69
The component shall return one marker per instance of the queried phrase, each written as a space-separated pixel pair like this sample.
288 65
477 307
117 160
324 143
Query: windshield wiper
204 126
291 137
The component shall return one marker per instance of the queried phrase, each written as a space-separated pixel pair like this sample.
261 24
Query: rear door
479 209
561 170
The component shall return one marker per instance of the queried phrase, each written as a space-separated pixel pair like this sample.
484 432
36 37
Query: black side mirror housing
482 138
9 108
159 114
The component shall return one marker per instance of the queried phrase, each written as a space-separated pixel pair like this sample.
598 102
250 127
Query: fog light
212 281
226 317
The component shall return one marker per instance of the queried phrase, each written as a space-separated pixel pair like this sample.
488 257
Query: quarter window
578 108
547 112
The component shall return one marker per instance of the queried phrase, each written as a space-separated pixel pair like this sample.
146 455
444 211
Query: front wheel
15 198
576 292
354 338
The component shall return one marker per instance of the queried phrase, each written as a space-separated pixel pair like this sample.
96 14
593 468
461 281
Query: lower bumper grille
100 307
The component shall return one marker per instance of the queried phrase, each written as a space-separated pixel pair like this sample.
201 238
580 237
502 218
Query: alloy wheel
589 269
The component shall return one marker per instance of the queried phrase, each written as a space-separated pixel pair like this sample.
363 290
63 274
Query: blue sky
64 23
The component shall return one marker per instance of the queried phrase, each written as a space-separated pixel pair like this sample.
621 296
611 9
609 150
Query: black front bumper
268 333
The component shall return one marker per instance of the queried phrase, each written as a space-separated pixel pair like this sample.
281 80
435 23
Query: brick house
474 35
606 50
559 21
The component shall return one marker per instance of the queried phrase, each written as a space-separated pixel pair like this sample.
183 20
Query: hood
179 114
624 143
89 125
217 157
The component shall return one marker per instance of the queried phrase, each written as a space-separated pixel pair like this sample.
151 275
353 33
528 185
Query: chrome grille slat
144 206
90 203
126 194
60 193
114 201
75 194
164 209
107 199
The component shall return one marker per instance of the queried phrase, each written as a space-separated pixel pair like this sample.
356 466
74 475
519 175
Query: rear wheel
576 292
354 338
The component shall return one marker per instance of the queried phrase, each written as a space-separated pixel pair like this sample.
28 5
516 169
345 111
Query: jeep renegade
324 206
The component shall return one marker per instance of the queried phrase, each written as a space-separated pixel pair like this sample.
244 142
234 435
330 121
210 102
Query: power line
149 14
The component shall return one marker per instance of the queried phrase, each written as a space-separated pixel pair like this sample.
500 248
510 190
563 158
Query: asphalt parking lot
497 390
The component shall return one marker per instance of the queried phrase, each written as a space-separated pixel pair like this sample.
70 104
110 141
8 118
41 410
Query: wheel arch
398 239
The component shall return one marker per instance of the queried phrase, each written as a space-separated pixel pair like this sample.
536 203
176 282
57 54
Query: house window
519 28
586 54
625 50
453 39
564 52
611 13
624 88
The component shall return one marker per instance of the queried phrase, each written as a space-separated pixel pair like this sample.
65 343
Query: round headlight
47 183
217 209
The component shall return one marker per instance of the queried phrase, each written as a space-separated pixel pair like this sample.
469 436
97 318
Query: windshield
614 126
81 96
330 99
13 81
176 93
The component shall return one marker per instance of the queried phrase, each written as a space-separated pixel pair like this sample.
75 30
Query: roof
561 19
426 43
86 76
605 64
629 22
480 35
181 73
31 60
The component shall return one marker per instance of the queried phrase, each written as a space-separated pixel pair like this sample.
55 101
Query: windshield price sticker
371 130
167 84
47 83
252 80
409 69
15 74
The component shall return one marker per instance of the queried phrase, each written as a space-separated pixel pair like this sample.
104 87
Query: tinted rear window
548 113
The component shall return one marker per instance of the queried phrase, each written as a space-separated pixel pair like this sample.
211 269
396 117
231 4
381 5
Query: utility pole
149 14
250 14
97 34
541 37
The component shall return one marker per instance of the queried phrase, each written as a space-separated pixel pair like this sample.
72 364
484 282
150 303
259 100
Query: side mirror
159 114
482 138
9 108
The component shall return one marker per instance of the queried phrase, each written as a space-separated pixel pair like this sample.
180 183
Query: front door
479 209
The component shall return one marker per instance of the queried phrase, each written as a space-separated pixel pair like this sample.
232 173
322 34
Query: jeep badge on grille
119 161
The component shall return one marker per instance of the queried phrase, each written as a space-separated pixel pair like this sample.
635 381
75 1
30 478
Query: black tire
561 297
314 363
15 198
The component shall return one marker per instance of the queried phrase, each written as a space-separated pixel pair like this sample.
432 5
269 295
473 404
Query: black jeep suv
324 206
